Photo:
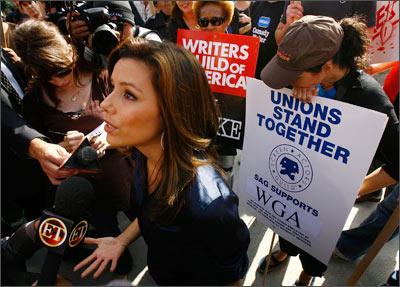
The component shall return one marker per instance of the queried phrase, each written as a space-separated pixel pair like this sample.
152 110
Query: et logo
52 232
290 168
78 233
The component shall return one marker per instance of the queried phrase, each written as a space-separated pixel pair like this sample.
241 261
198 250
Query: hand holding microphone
63 226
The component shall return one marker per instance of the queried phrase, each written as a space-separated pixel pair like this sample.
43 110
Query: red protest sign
227 59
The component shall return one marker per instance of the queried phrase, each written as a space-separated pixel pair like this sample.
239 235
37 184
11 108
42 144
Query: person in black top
160 20
318 50
336 9
265 16
182 17
21 146
166 115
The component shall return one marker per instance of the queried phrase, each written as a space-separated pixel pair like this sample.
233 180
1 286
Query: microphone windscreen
73 197
86 155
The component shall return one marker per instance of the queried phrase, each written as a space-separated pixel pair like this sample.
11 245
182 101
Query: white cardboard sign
302 164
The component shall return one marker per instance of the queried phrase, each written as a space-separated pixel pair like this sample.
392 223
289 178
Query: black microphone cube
56 233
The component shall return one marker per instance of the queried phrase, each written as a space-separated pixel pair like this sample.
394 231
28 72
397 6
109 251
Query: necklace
74 98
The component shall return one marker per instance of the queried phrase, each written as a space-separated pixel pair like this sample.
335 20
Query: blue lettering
275 97
277 112
343 153
288 114
312 143
327 148
320 112
309 125
280 129
296 121
291 133
302 136
305 110
334 116
287 101
260 119
269 124
323 130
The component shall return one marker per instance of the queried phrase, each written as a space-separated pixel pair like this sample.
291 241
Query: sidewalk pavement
336 275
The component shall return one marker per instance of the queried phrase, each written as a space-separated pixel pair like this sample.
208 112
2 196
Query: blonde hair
227 6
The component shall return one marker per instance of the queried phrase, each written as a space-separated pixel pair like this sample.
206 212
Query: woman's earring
162 140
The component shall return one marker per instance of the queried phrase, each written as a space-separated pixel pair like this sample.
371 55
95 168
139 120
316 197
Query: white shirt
144 11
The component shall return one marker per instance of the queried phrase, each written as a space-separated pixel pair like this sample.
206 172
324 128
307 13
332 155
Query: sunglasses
215 21
62 73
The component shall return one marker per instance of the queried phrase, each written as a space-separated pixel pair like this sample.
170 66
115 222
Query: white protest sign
302 164
385 40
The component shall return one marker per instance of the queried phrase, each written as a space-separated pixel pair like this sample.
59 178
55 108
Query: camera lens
104 40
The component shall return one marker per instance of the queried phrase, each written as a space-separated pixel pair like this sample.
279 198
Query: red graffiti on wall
386 22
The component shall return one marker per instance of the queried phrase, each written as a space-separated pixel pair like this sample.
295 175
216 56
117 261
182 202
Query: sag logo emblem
52 232
290 168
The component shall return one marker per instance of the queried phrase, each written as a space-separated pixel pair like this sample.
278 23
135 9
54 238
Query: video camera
103 28
102 25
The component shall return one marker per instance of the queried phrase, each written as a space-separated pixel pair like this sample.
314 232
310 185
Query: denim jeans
355 242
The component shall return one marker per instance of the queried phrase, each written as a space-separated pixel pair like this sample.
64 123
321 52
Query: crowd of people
66 68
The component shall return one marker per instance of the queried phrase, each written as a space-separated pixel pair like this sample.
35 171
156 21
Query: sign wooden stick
383 236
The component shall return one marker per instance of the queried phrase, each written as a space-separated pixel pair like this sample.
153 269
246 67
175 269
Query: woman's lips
109 128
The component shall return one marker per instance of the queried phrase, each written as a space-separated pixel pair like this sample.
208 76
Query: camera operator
98 27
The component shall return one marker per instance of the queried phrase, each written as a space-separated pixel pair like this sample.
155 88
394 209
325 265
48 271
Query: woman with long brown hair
63 103
162 108
182 17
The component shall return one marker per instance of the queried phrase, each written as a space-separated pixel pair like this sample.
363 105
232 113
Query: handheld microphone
86 155
83 159
63 226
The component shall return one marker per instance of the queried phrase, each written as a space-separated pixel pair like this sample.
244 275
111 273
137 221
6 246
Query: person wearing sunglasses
214 16
63 103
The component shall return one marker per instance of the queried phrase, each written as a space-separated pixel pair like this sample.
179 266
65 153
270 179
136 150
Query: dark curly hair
353 51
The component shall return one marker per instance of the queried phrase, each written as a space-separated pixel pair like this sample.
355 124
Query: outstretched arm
109 249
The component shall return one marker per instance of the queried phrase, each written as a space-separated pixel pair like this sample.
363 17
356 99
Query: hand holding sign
305 94
294 12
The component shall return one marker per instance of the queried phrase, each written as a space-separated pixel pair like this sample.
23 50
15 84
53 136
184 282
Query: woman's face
65 76
165 6
185 6
309 80
131 111
212 18
34 9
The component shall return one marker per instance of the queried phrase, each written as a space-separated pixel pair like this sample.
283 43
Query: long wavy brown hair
44 52
189 115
